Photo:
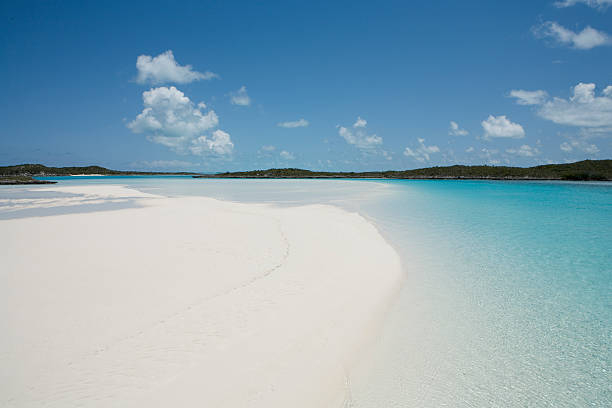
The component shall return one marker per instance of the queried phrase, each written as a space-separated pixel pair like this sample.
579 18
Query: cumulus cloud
218 143
421 153
164 69
455 130
501 127
579 145
171 119
584 40
358 136
240 97
583 108
598 4
286 155
360 123
469 149
268 148
528 97
524 151
294 124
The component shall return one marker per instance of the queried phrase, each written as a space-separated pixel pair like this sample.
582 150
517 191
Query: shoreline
193 301
398 178
22 180
585 170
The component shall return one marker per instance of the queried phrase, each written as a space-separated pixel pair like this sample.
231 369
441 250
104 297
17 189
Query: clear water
508 301
508 294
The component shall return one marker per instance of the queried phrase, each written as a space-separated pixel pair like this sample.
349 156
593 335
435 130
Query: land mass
582 170
39 170
25 173
18 180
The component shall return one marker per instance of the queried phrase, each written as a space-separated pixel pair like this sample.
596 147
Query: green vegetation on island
39 170
18 180
582 170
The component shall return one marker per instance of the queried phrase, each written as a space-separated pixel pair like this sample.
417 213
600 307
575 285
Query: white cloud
294 124
171 119
240 97
469 149
268 148
488 155
358 136
455 130
596 132
598 4
421 153
528 97
360 123
501 126
219 143
579 145
164 69
286 155
584 40
525 151
583 108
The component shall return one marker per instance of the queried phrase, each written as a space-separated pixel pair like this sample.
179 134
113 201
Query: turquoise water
508 300
508 294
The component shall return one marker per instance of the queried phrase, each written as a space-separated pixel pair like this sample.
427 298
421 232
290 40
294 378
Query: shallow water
508 301
508 295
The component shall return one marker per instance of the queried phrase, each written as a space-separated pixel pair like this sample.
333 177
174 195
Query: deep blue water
508 293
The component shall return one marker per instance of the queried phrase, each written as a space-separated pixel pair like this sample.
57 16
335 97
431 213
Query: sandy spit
188 302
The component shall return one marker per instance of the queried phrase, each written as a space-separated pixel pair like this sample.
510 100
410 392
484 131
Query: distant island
39 170
582 170
586 170
25 173
18 180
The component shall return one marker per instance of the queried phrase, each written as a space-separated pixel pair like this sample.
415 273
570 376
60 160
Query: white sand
187 302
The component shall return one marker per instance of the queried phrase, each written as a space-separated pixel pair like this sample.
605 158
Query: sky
343 85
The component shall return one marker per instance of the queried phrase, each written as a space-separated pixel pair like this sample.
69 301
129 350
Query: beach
186 301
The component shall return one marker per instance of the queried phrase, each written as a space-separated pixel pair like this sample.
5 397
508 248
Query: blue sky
212 86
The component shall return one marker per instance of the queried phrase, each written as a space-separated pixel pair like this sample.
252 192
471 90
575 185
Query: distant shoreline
40 170
586 170
22 180
395 178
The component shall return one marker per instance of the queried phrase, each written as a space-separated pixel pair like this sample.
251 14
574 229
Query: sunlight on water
508 295
508 298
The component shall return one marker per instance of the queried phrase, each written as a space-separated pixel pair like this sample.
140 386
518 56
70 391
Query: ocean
507 300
